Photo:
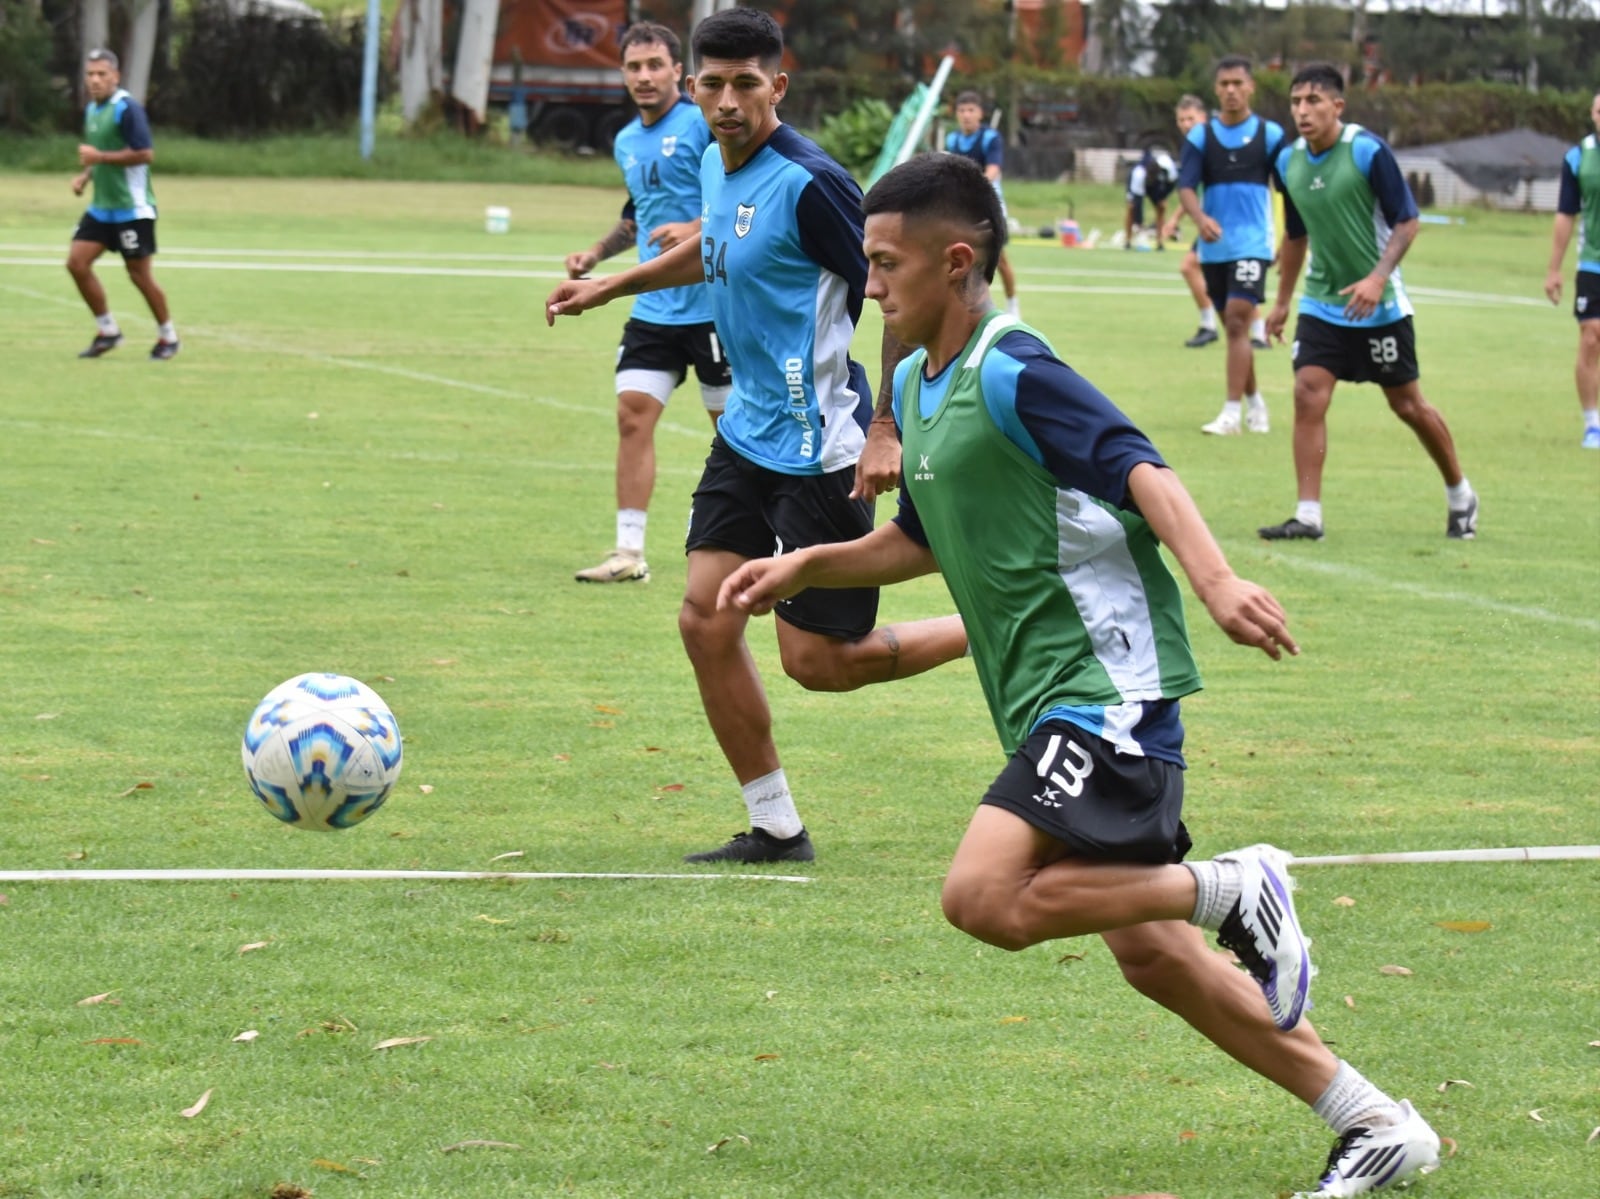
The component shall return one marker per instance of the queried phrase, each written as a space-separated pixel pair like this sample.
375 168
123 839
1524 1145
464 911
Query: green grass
394 474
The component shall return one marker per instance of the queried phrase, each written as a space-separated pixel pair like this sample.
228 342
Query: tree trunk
421 27
141 47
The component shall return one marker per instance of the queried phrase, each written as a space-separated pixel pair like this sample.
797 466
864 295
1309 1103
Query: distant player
1152 178
669 331
799 455
1345 197
116 153
1230 159
1049 515
971 138
1580 197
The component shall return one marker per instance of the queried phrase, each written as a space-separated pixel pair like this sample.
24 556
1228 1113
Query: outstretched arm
678 267
623 234
884 556
1247 613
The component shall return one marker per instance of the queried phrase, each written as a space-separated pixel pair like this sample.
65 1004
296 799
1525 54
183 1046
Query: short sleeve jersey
781 246
120 193
661 167
1580 197
1016 477
1231 166
984 146
1348 199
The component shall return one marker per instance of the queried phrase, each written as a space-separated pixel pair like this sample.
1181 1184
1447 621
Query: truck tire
608 125
566 126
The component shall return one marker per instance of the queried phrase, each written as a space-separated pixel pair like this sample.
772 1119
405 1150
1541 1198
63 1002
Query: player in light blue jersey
971 138
799 454
1346 202
1048 515
1579 207
1229 158
115 154
668 331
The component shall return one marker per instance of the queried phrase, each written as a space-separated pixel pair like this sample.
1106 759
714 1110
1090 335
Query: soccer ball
322 751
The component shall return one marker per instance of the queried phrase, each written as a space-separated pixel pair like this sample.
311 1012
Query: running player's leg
141 271
1195 279
81 256
1393 349
1321 359
1586 371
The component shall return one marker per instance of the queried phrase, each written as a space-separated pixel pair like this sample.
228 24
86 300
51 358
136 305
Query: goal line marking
201 876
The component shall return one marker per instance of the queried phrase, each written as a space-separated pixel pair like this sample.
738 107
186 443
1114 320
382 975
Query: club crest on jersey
669 145
743 221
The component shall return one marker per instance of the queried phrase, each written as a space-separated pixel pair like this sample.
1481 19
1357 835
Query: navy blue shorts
1381 354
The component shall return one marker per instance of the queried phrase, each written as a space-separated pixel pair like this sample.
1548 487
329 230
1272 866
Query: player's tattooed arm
623 235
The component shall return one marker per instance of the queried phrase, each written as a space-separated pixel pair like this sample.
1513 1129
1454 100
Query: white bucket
496 219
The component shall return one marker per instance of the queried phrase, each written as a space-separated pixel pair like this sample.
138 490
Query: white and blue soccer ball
322 751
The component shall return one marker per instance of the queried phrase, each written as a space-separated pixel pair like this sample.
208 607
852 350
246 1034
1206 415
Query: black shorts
1586 296
131 239
1381 354
759 513
674 349
1244 277
1073 786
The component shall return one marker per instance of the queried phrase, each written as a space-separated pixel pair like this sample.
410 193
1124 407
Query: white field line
1528 853
1442 595
373 262
194 876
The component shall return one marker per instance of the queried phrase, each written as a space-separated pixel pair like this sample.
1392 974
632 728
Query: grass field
373 457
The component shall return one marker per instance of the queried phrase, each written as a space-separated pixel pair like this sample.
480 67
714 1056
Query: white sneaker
1226 425
621 566
1264 932
1255 419
1370 1159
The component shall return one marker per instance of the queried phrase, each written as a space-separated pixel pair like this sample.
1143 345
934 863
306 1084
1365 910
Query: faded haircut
1323 76
105 56
946 187
737 33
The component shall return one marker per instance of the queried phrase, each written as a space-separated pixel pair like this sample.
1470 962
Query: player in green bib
1579 204
115 154
1045 509
1345 198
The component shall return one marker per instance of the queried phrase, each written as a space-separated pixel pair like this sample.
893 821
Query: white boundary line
202 876
1529 853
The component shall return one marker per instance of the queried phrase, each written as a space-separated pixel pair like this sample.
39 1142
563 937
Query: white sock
1258 329
1208 318
1591 418
1233 408
1459 494
1014 308
1217 885
771 806
1309 512
630 529
1257 401
1352 1102
107 325
167 332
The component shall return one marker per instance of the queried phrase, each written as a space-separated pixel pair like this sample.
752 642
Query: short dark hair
945 187
969 97
648 33
1233 62
105 56
1321 75
736 33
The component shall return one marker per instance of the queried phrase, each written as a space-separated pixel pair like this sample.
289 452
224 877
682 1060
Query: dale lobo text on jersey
794 378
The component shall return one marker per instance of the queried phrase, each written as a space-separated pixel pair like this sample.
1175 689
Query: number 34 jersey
781 245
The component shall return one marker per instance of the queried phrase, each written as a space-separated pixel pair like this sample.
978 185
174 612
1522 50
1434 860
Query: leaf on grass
41 541
323 1163
489 919
652 749
1535 1116
1465 926
78 855
1594 1044
1071 957
396 1042
562 757
4 900
1448 1144
1187 1135
288 1190
136 787
1344 901
510 853
247 1035
104 997
1350 1002
1399 971
609 711
602 724
425 788
47 716
670 787
1013 1020
738 1136
1592 1137
459 1145
444 661
768 1057
199 1105
115 1041
1452 1082
253 946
